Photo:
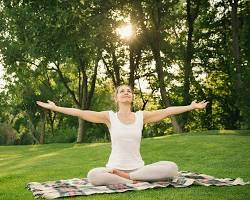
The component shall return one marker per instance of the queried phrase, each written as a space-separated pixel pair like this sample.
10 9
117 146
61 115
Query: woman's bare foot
123 174
134 181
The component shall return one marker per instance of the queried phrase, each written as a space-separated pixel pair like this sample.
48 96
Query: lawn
217 153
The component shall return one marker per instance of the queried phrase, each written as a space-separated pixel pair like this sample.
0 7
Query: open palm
199 105
50 105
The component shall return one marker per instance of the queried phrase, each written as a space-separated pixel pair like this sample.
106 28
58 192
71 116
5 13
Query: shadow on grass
220 132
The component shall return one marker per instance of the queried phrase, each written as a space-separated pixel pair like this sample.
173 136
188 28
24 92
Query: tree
156 12
236 55
66 46
192 9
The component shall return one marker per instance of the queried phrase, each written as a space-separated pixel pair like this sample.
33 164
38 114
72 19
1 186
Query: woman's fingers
42 104
50 105
199 105
39 103
51 102
204 103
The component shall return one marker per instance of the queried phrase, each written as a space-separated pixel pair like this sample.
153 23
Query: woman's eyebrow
125 89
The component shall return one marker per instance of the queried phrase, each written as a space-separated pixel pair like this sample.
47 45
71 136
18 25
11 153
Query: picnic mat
81 186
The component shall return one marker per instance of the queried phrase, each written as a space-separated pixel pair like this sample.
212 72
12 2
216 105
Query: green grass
221 154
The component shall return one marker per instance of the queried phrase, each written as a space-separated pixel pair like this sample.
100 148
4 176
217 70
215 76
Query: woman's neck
124 109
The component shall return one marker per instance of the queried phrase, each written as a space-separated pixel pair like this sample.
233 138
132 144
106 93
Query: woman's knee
93 175
95 171
171 166
169 163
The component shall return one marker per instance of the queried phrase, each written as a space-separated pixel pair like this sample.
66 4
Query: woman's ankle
121 173
124 175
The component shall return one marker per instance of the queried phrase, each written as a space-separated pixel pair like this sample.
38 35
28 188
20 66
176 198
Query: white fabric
158 171
126 140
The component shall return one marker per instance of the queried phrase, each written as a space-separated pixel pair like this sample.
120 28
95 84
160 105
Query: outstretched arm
88 115
158 115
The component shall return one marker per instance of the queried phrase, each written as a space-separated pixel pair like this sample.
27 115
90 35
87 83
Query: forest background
76 52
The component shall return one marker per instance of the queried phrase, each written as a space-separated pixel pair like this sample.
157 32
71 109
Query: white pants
153 172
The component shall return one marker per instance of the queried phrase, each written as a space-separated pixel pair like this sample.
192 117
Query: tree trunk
155 46
132 67
32 129
93 82
81 131
159 70
209 112
52 121
87 96
42 135
116 69
32 132
236 57
192 14
187 63
113 71
236 45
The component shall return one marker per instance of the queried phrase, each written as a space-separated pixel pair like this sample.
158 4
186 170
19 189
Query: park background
171 52
76 52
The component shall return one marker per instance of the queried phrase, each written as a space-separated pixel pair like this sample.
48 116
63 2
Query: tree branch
65 84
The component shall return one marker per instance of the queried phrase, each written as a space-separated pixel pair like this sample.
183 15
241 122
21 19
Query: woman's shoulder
110 113
139 113
107 113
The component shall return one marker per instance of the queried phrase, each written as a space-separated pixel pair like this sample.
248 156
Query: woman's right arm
88 115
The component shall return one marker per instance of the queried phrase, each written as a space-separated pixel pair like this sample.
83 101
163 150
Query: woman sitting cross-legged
125 164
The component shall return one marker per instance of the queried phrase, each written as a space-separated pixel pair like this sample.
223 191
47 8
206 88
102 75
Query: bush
157 129
26 139
66 135
96 133
7 134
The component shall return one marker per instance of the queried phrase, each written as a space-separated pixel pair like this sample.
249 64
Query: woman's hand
199 105
50 105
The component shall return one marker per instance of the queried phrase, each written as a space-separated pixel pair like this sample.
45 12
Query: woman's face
124 95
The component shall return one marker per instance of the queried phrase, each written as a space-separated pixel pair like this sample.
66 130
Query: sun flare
125 31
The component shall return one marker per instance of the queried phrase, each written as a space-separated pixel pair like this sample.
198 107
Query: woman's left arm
158 115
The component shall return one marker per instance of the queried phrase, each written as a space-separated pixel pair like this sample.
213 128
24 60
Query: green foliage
97 133
8 135
245 45
49 50
157 129
62 135
245 102
103 97
25 139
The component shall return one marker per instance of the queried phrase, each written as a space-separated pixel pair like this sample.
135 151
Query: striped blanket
81 186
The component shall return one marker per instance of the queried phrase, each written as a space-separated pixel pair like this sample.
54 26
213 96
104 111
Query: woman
125 164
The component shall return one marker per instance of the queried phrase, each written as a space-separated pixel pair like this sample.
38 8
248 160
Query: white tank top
125 140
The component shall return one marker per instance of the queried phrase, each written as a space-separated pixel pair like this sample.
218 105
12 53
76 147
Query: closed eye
124 91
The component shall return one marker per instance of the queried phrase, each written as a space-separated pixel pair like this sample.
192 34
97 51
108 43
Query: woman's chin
126 102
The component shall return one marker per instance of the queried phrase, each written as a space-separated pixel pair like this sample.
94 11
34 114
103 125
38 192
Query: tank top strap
111 116
140 118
